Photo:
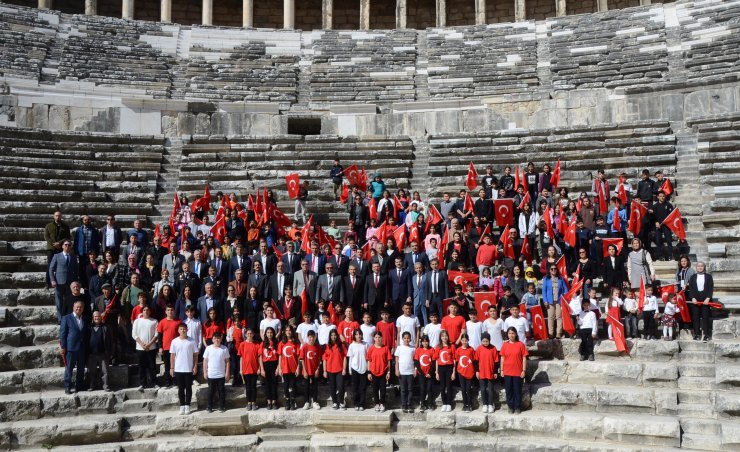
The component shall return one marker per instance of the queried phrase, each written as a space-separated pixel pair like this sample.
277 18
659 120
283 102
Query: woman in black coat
701 288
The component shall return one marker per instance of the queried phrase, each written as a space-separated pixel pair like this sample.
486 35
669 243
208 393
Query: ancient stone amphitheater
101 114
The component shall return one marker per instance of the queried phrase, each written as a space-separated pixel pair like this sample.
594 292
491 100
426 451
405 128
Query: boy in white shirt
407 323
216 370
649 310
195 328
474 329
630 318
432 329
587 331
324 329
405 370
184 366
518 322
367 328
305 327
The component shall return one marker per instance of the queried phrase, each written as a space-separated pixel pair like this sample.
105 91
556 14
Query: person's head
514 310
325 318
212 314
444 338
649 289
182 330
512 335
530 287
217 338
311 336
586 304
190 312
334 337
464 340
357 335
406 338
507 291
492 312
145 311
452 309
458 289
75 288
592 293
269 334
684 261
376 267
473 314
349 315
142 299
636 244
385 315
616 292
434 317
209 289
169 311
407 309
321 304
553 271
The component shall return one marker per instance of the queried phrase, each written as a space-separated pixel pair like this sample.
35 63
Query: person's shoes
68 391
511 410
382 408
377 407
357 408
187 409
341 406
362 408
422 408
209 410
316 406
583 357
107 389
156 386
335 406
704 339
140 388
484 408
491 408
591 357
518 411
222 410
306 406
182 410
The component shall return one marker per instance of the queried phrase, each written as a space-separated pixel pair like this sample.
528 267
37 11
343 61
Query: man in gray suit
62 271
437 288
329 286
303 279
419 293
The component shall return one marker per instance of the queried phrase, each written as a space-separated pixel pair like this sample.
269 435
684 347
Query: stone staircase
420 173
421 77
167 182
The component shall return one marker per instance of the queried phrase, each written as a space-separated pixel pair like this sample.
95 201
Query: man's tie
418 281
399 274
415 257
434 284
329 283
376 280
353 282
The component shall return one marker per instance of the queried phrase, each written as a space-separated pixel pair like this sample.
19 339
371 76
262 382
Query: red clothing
378 360
453 326
487 358
311 357
268 353
486 255
334 358
288 352
513 354
135 313
213 328
388 330
168 329
464 358
250 353
425 356
345 329
445 356
237 335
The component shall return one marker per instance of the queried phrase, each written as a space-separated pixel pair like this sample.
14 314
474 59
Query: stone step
31 315
702 410
29 336
695 370
701 441
28 297
700 425
693 395
696 382
698 357
691 346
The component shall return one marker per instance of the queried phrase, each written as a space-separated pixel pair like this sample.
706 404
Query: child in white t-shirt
216 370
649 312
325 328
630 317
432 329
518 322
184 366
367 328
474 329
494 326
407 323
305 327
614 305
405 370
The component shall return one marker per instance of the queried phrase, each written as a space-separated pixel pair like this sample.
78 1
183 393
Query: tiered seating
265 161
482 60
110 52
375 66
710 37
719 162
628 147
612 49
76 173
25 40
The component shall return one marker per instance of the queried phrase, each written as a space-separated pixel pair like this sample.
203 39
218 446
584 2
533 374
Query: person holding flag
663 234
553 286
639 265
588 330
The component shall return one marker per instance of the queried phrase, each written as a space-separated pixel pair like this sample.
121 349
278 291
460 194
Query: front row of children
358 362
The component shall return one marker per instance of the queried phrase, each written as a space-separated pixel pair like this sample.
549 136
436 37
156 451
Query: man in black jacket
663 234
336 178
99 352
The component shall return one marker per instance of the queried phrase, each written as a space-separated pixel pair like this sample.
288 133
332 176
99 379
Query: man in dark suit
316 260
199 266
382 258
219 285
353 286
208 301
157 250
329 286
416 255
400 285
363 267
73 333
377 294
258 279
267 259
235 227
340 261
221 266
239 261
291 259
110 236
62 271
419 283
701 289
304 279
437 288
277 283
483 208
613 268
187 278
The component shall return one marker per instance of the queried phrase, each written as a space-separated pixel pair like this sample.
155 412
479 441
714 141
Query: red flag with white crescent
618 332
617 221
482 301
667 187
400 236
641 295
507 244
547 216
567 319
562 268
555 177
539 329
442 248
456 277
344 195
397 206
353 174
683 308
414 235
365 252
526 199
372 209
637 213
434 217
293 181
605 243
674 222
218 230
468 204
280 218
278 254
621 191
472 180
362 181
504 209
570 232
527 250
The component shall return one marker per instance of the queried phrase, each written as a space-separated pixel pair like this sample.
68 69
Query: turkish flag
304 302
576 287
251 204
674 222
539 330
602 195
397 206
345 194
516 178
507 244
637 213
527 250
156 231
203 202
332 314
280 218
563 225
486 230
617 221
567 320
547 216
278 314
555 178
353 174
176 206
372 209
526 199
570 232
641 296
258 208
504 211
621 192
468 204
472 180
400 236
306 236
456 277
218 230
325 238
618 333
665 291
414 235
683 308
267 206
667 187
381 233
619 243
482 301
293 181
434 215
524 180
562 268
442 248
362 183
278 254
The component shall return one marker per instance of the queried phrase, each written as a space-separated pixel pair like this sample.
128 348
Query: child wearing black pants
405 370
378 360
587 331
465 359
216 370
424 362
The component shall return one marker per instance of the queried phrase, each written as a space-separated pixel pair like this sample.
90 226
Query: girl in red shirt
454 324
513 366
234 338
249 351
311 365
424 362
378 359
347 326
487 358
288 364
268 366
465 358
211 327
445 357
335 367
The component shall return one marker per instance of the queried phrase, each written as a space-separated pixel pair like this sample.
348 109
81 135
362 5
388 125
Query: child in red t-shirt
269 366
288 364
487 358
311 365
387 329
210 327
335 367
454 324
445 357
234 338
379 358
347 326
465 358
249 351
513 357
424 362
167 330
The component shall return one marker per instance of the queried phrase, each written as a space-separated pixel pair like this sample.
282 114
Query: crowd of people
391 297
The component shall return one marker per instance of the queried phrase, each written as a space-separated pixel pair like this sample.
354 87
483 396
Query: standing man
437 288
329 286
54 234
87 239
62 271
110 236
72 334
336 178
99 352
300 203
377 295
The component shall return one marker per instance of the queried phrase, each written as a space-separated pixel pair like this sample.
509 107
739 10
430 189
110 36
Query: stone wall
540 9
499 11
460 12
421 14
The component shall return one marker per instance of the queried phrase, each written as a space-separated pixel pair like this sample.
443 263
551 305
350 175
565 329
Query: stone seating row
26 40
